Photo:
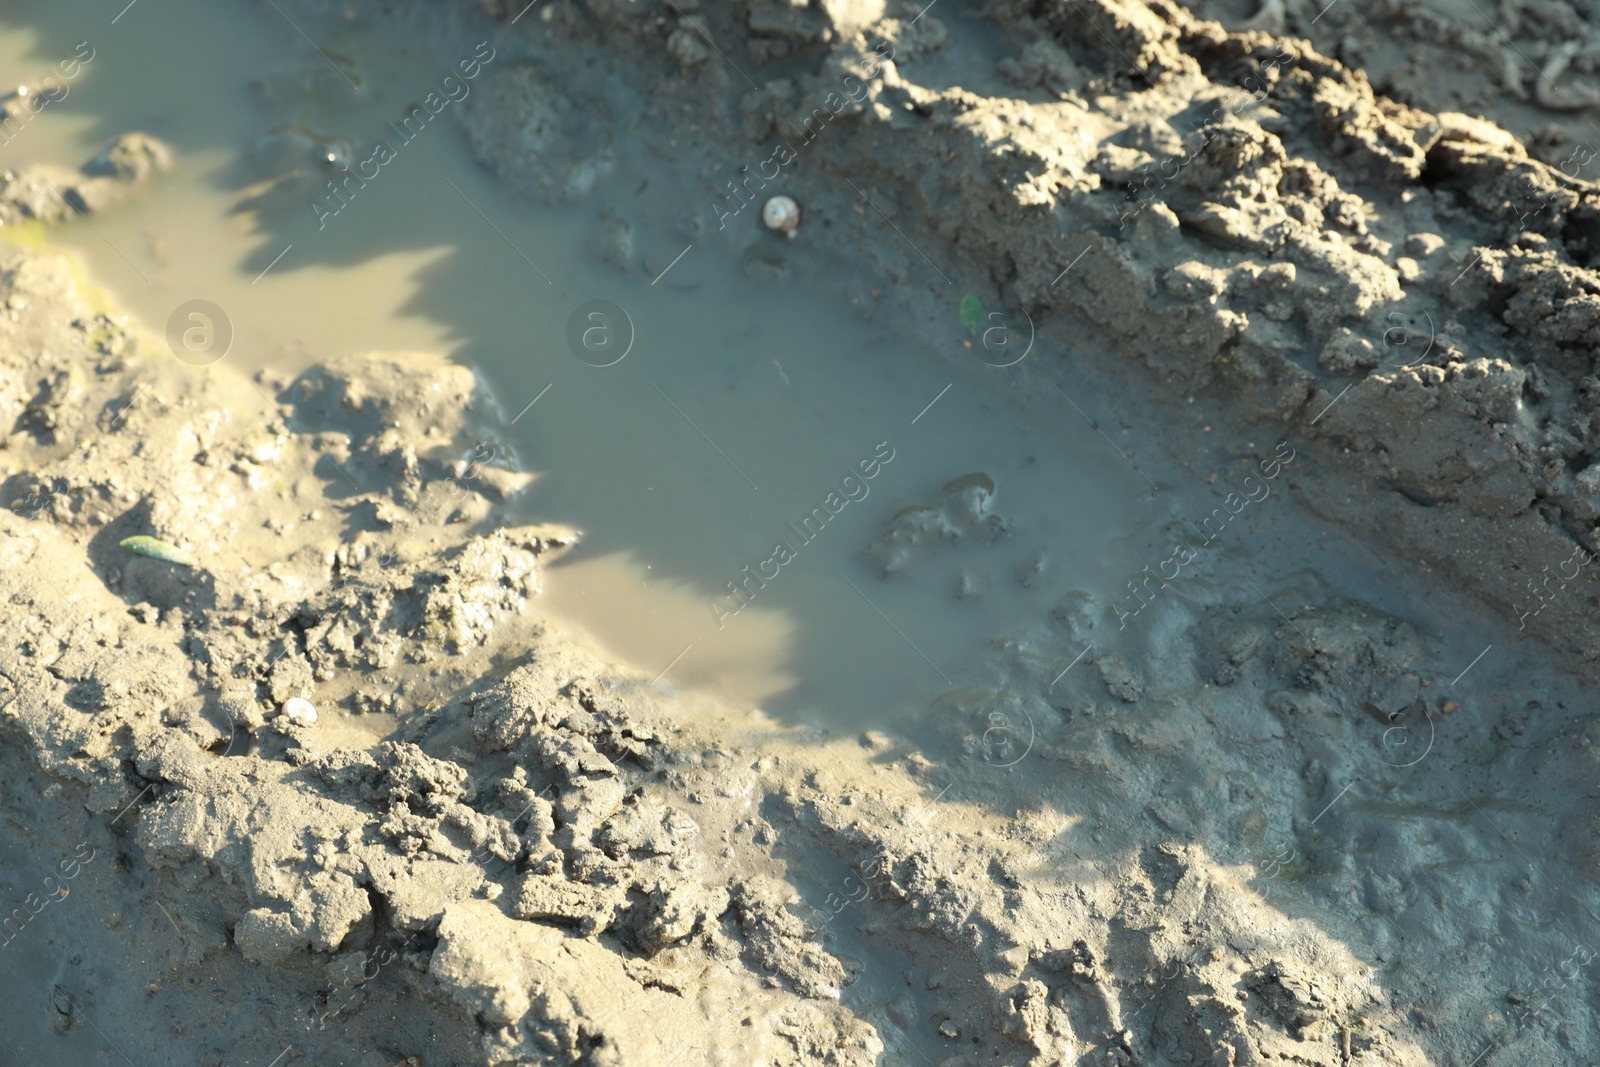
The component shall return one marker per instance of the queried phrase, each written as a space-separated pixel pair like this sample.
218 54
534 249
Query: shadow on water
719 461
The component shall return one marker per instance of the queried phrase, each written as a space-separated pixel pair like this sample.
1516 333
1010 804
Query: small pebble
299 709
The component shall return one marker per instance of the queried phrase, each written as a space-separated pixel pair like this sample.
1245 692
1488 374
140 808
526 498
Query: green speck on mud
156 548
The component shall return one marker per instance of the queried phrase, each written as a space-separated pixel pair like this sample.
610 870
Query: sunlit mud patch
662 627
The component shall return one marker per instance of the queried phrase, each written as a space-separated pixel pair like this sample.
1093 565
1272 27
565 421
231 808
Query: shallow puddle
732 436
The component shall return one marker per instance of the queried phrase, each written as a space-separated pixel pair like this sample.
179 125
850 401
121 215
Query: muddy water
726 397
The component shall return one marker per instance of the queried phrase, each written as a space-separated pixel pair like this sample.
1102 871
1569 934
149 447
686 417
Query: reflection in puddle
648 620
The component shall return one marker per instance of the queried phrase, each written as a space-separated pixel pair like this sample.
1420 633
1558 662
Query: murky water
744 415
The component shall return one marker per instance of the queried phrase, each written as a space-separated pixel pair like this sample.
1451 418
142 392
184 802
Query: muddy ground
1210 822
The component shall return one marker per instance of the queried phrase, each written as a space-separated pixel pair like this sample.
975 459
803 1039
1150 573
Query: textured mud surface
1225 819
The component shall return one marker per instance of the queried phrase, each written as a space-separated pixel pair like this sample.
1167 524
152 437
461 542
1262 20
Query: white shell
781 213
299 709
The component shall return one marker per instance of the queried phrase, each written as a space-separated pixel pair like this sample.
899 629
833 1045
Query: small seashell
781 213
299 709
156 548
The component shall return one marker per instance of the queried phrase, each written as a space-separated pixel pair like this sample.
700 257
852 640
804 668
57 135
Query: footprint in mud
536 137
958 511
62 1010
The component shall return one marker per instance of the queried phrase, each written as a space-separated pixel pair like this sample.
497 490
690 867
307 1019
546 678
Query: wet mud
1266 739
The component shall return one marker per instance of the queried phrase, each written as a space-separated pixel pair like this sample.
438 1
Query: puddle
642 617
741 417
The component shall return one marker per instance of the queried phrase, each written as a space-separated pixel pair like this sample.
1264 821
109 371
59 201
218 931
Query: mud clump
50 194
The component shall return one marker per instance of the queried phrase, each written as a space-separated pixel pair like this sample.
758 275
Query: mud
1313 786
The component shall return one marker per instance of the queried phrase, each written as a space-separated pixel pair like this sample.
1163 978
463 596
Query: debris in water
156 548
299 709
972 312
781 213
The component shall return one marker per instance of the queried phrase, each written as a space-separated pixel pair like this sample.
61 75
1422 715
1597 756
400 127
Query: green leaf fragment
972 313
156 548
